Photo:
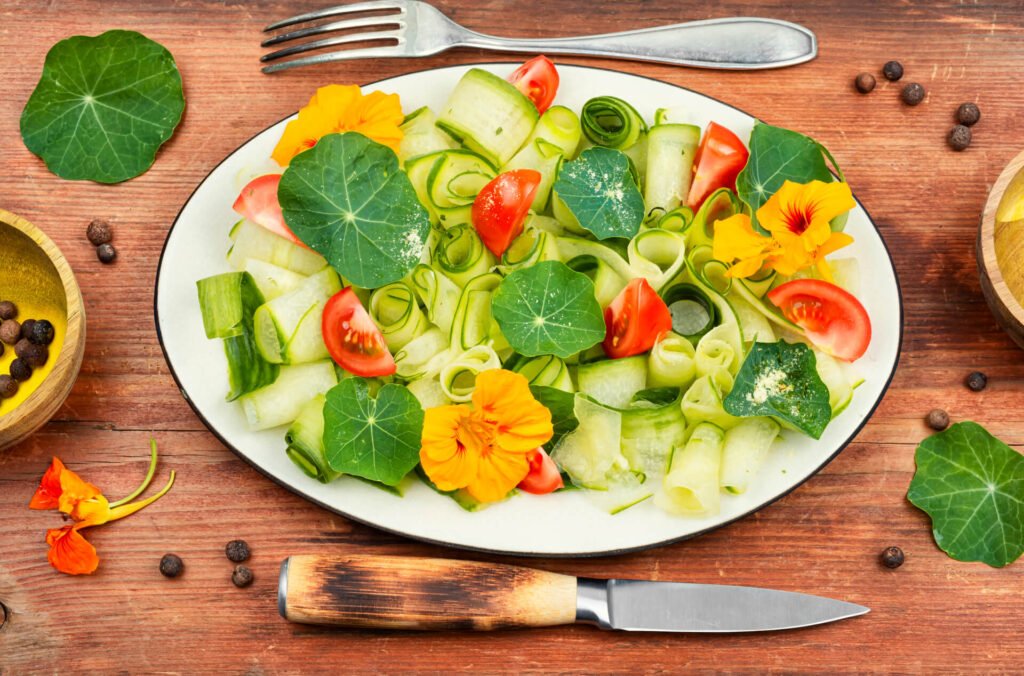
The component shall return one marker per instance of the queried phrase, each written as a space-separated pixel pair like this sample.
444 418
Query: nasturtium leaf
600 191
376 438
347 199
972 486
103 106
548 309
781 380
563 416
778 155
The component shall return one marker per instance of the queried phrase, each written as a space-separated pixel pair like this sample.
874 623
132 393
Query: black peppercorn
864 83
8 310
8 387
106 253
242 576
26 328
10 331
937 419
20 370
36 355
912 94
968 114
99 232
42 332
237 551
977 381
959 137
171 565
892 70
892 557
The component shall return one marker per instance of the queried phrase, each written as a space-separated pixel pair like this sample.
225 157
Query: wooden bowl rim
49 396
987 239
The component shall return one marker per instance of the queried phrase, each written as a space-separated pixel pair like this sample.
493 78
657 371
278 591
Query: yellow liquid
29 280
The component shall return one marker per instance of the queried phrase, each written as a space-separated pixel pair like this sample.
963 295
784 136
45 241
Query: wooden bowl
1000 249
35 276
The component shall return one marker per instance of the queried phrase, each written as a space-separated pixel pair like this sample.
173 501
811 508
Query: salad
506 295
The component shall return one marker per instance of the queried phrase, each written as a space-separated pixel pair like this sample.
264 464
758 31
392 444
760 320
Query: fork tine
343 55
368 6
331 42
364 22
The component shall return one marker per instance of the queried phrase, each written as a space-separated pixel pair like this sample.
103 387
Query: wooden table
933 613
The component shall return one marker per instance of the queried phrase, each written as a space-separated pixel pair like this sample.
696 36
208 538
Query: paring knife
398 592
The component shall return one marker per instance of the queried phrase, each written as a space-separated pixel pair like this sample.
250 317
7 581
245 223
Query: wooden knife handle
402 592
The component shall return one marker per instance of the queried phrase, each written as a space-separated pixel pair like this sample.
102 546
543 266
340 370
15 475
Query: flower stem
127 510
145 483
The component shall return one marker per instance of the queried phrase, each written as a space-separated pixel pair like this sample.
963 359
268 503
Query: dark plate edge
485 550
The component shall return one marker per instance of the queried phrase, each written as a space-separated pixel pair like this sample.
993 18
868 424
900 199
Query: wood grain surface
931 615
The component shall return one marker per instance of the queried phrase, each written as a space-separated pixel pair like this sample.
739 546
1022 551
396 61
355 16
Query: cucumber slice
429 392
288 328
305 439
254 241
623 490
473 323
607 283
836 379
745 448
650 432
454 181
657 255
458 378
421 135
396 312
273 280
691 485
418 170
671 362
556 136
283 401
702 402
613 382
461 256
670 152
593 450
488 115
547 370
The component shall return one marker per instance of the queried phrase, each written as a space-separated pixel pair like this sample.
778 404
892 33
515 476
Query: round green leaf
600 191
347 199
548 309
972 486
103 106
376 438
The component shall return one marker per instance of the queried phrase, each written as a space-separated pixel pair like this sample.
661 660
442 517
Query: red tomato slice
719 160
501 207
352 338
258 202
544 476
538 80
635 320
834 320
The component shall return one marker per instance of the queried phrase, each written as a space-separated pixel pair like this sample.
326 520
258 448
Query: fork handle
742 43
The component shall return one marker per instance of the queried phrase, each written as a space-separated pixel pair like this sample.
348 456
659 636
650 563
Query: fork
415 28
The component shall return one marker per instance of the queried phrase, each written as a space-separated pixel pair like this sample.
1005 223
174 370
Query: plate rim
489 550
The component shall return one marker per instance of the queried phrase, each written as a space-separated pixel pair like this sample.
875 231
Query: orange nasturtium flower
338 108
64 490
485 449
797 219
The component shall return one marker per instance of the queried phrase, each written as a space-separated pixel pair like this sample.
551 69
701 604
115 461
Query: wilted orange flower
797 219
62 489
338 108
485 449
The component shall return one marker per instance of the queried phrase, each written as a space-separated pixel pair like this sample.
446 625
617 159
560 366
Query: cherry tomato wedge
501 207
538 80
352 338
834 320
544 476
719 160
258 202
635 320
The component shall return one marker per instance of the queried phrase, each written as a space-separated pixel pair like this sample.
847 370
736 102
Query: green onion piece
611 122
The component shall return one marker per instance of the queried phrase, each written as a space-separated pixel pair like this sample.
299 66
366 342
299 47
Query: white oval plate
563 524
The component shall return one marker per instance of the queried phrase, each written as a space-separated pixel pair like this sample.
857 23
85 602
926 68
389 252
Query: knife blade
399 592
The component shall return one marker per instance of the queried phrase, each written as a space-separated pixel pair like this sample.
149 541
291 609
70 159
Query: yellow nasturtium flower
797 219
